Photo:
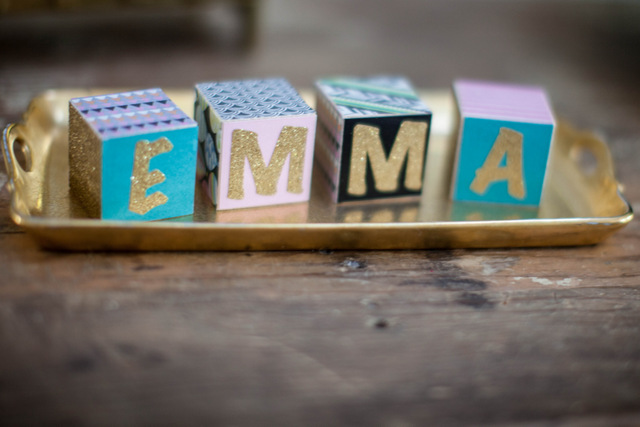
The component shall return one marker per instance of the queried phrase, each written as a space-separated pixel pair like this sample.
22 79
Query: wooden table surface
538 336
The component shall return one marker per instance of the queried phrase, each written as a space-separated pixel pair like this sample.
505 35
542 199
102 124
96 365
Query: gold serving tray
582 202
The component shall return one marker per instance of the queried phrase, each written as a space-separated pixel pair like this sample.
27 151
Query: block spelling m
372 139
256 143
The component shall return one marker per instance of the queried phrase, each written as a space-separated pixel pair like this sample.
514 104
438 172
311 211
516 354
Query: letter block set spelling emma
132 156
504 143
137 156
256 140
372 138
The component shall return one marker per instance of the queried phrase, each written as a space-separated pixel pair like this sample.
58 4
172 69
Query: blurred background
585 53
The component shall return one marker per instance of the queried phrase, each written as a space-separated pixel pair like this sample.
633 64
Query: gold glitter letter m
244 144
410 143
142 179
509 143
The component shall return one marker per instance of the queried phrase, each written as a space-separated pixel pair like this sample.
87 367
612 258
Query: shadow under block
132 156
372 137
503 144
255 140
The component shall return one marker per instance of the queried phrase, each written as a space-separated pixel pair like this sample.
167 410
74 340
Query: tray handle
587 159
21 164
17 154
593 157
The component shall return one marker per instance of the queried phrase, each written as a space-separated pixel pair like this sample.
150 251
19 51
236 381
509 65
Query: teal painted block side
477 139
178 166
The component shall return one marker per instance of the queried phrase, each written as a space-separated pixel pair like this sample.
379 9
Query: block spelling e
256 141
132 156
504 143
372 137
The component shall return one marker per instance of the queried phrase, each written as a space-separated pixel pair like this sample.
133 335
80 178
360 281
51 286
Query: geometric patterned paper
128 113
251 99
372 96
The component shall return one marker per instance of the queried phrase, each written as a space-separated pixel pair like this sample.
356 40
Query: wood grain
536 336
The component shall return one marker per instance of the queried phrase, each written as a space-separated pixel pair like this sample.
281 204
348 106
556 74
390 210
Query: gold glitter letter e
244 144
508 142
410 143
142 179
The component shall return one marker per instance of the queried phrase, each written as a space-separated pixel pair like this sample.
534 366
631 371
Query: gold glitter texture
142 179
509 143
85 160
410 142
244 144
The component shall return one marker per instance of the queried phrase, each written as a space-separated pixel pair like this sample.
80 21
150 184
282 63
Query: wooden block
504 143
372 137
256 141
132 156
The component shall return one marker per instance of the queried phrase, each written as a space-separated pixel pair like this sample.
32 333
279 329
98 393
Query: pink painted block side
268 131
501 101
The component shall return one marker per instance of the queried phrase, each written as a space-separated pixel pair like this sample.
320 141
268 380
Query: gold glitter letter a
509 143
244 144
410 143
142 179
